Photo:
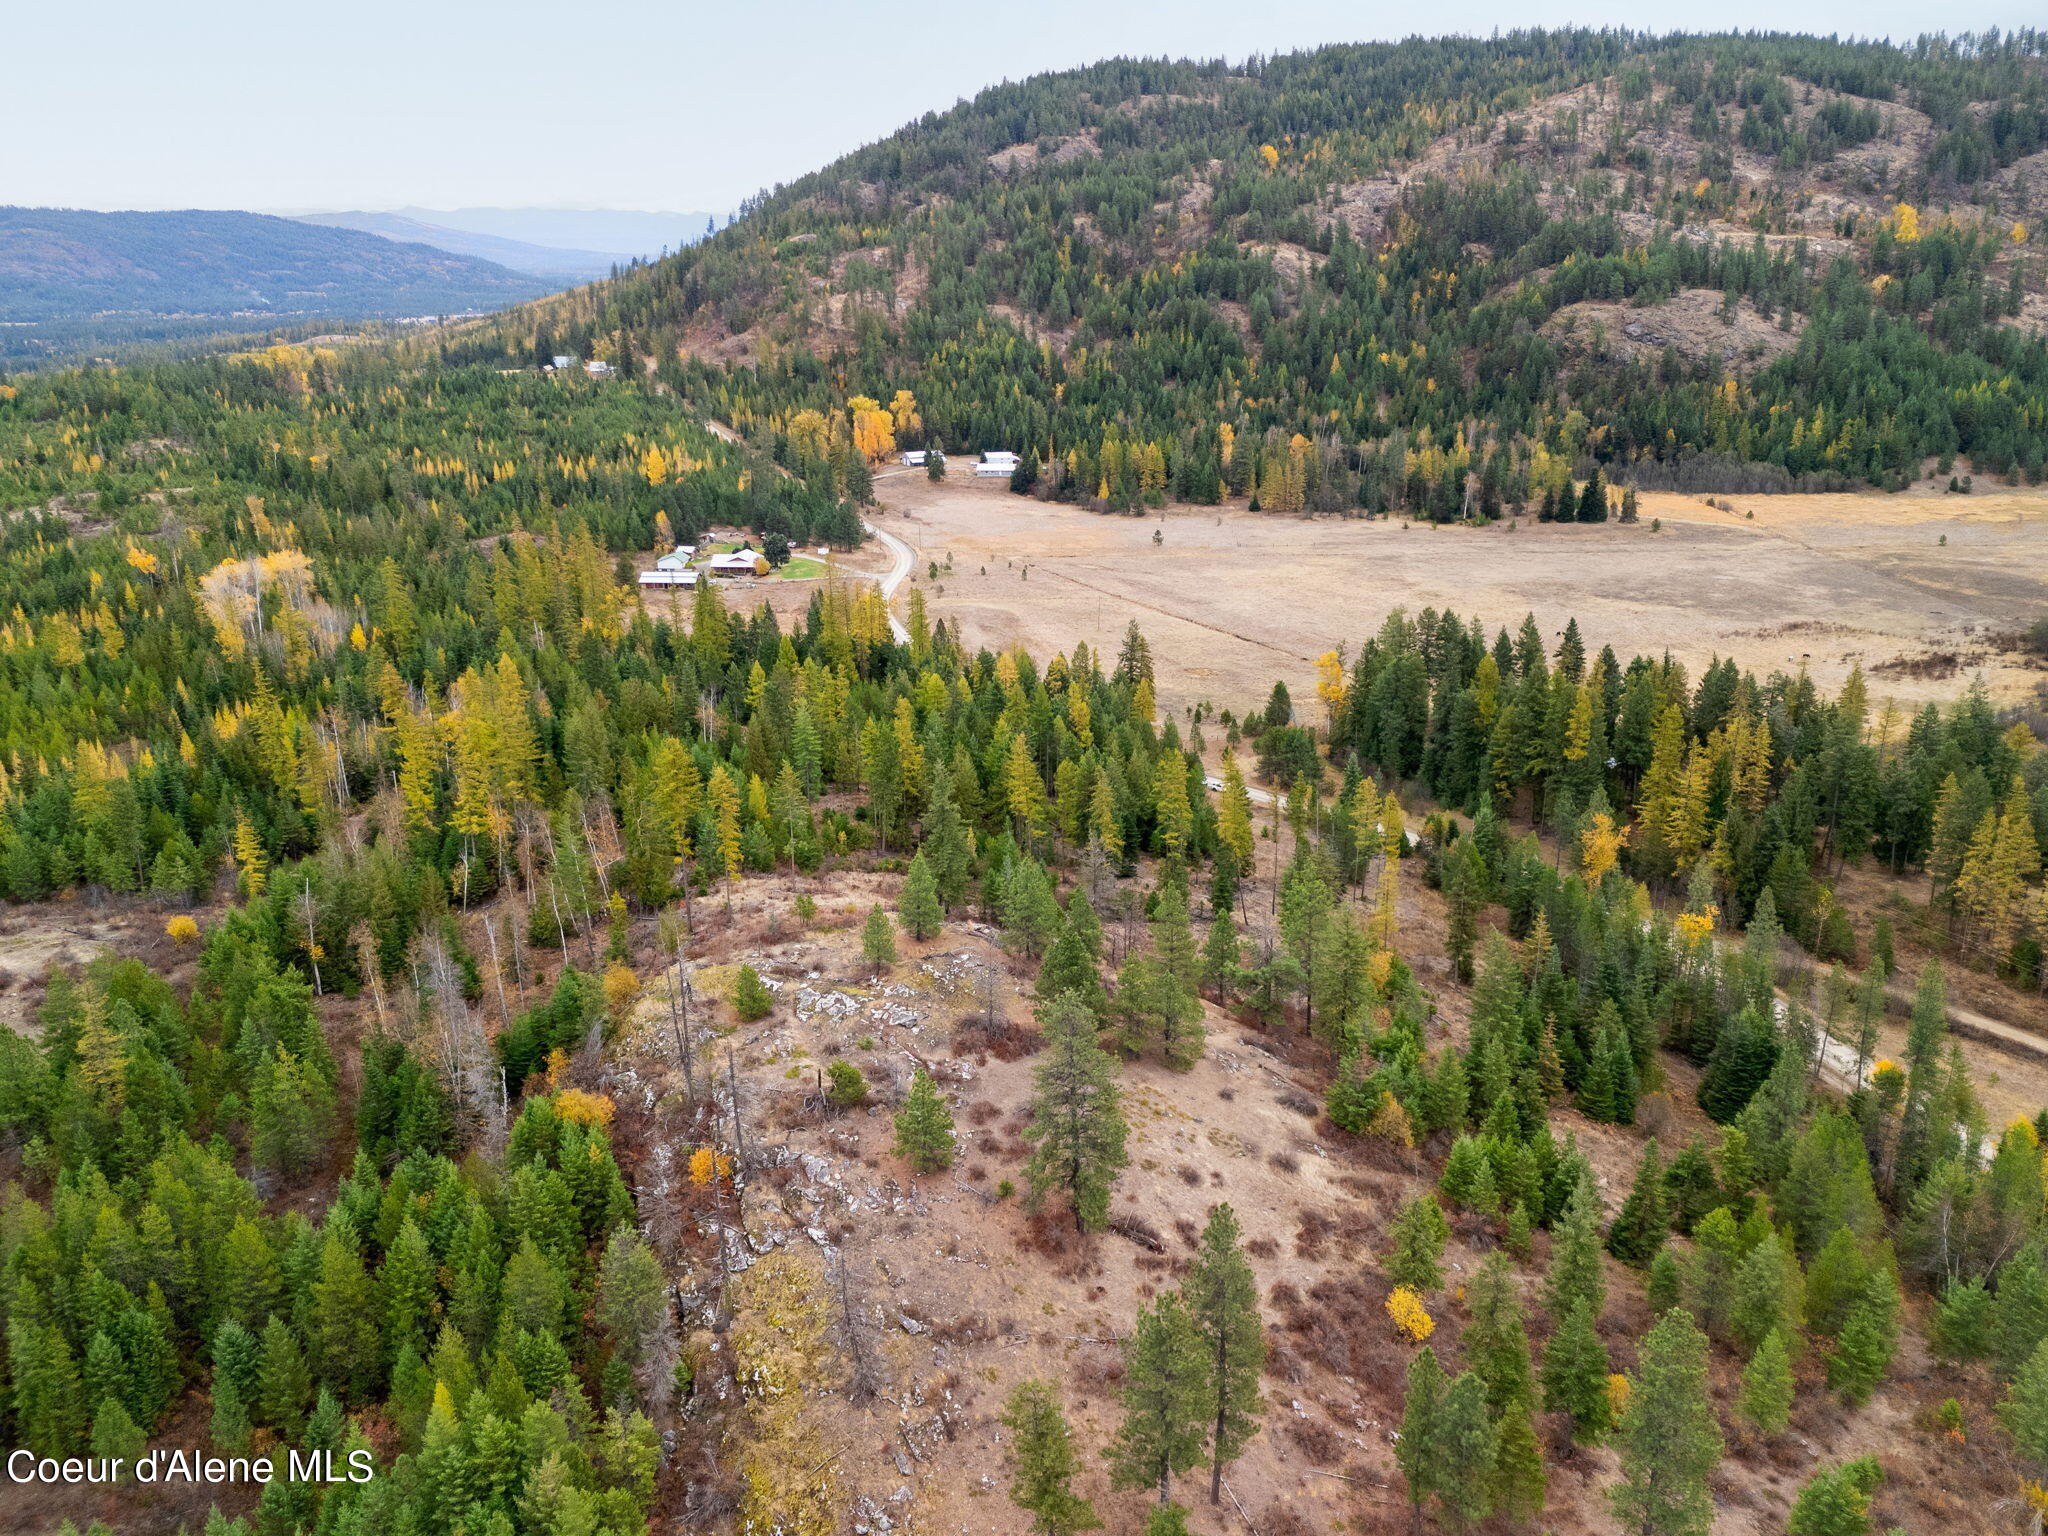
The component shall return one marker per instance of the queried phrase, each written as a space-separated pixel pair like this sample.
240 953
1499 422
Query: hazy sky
633 103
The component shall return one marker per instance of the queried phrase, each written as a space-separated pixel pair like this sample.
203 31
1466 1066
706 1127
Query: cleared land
1232 600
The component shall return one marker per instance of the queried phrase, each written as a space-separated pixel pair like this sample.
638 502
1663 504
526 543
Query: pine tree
1415 1451
2024 1413
1667 1436
1496 1340
1518 1482
1467 1448
632 1294
751 999
1836 1502
919 904
1575 1275
1165 1397
342 1321
1869 1338
290 1112
878 940
284 1386
1767 1386
1042 1462
1575 1370
48 1400
1644 1221
408 1291
924 1126
1419 1234
1222 1298
1072 964
1769 1295
115 1435
1077 1125
1741 1061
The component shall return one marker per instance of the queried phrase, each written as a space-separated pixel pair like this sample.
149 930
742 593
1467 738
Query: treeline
1726 788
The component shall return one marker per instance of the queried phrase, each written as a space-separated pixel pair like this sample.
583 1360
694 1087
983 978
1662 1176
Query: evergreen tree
1077 1126
1644 1221
1496 1341
48 1400
1767 1386
919 906
1575 1370
1415 1451
1467 1449
1042 1462
878 940
1741 1062
116 1435
1575 1276
1222 1297
924 1126
284 1385
1837 1501
1518 1482
1419 1234
632 1294
751 999
1165 1397
342 1321
1868 1340
1667 1436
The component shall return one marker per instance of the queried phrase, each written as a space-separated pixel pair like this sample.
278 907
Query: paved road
895 577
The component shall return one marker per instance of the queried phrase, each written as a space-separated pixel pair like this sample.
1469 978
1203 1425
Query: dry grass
1231 600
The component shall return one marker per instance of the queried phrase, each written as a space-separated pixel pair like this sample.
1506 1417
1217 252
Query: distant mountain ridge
557 264
64 263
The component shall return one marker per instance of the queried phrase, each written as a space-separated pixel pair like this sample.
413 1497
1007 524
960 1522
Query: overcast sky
633 103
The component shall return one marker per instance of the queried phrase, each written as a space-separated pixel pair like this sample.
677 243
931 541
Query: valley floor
1232 599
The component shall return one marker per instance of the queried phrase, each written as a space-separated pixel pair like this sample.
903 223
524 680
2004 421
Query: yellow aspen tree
1332 688
1600 847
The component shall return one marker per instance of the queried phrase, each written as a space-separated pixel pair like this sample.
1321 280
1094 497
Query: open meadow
1922 589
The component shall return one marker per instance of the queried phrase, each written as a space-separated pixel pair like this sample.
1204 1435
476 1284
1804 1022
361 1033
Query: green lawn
801 568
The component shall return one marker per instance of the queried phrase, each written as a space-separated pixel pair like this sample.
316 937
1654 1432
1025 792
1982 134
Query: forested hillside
628 1065
1421 275
331 662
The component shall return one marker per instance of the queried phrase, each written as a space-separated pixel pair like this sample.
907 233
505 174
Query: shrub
845 1088
183 929
1409 1314
751 998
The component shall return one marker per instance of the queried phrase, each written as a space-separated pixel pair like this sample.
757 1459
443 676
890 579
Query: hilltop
1707 262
